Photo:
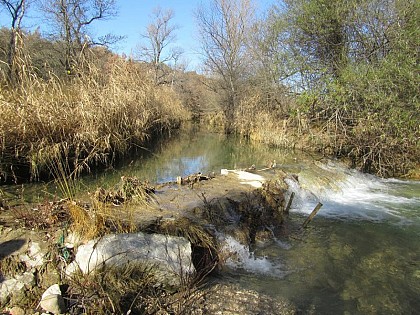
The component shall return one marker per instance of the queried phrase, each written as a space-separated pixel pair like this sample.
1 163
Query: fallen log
192 179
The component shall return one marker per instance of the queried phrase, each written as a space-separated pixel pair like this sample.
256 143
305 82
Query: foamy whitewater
345 195
349 194
239 257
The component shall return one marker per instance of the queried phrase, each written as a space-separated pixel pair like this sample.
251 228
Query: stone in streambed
16 311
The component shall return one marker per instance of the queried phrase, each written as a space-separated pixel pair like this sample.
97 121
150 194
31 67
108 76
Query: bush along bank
379 134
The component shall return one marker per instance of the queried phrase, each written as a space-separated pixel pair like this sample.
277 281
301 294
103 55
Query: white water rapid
239 256
349 194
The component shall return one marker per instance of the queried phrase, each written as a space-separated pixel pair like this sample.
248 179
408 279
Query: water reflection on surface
197 151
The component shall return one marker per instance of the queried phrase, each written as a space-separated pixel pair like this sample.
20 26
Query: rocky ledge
160 242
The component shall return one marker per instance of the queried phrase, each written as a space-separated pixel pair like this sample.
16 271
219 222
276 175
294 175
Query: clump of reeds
127 289
85 119
267 119
113 210
97 219
88 223
129 189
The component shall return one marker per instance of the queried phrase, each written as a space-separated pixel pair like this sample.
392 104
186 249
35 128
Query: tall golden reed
92 117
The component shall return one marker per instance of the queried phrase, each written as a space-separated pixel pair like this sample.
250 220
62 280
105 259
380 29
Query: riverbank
365 144
69 125
40 243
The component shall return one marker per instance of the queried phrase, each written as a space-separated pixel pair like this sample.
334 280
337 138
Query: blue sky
135 15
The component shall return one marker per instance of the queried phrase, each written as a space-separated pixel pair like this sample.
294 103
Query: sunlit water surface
360 254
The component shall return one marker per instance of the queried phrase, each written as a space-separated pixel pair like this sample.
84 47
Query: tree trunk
11 55
229 112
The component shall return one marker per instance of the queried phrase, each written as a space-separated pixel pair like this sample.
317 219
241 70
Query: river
359 255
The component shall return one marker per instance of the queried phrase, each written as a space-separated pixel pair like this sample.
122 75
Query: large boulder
169 255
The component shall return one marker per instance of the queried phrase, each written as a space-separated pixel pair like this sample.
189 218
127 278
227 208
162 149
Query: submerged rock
170 255
229 300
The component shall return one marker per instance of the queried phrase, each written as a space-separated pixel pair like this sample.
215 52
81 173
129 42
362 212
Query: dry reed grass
262 119
98 219
278 121
127 289
92 117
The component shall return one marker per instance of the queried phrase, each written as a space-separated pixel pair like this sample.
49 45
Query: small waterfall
349 194
239 257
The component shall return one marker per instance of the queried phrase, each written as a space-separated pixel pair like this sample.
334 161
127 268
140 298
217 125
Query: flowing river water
359 255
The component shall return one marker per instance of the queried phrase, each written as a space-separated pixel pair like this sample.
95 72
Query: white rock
224 171
251 179
54 289
171 255
53 304
52 301
34 257
72 240
13 285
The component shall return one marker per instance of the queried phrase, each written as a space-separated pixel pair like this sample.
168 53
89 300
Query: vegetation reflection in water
196 151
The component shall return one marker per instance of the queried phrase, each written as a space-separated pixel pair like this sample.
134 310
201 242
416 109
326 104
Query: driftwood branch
311 216
289 203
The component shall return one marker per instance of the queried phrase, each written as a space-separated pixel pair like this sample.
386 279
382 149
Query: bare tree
72 19
16 10
223 27
159 35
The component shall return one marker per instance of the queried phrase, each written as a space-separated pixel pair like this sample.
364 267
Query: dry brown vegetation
93 116
267 118
129 289
371 142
